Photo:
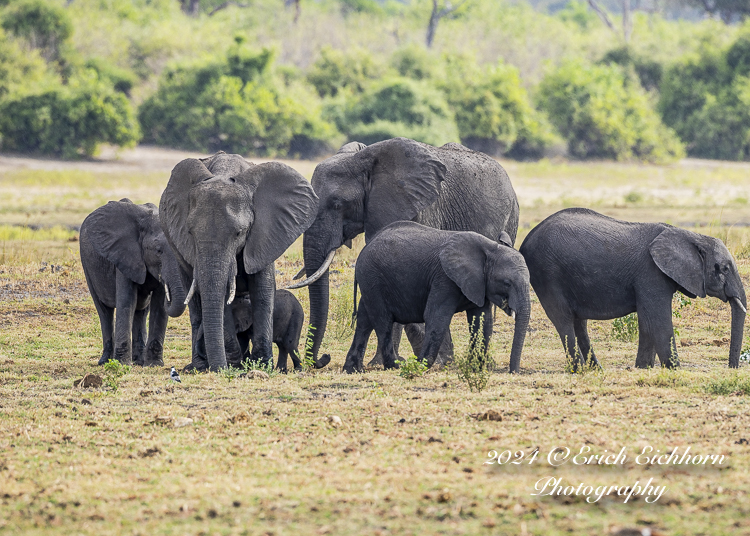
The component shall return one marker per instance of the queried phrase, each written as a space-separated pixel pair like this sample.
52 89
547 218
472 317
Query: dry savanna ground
218 454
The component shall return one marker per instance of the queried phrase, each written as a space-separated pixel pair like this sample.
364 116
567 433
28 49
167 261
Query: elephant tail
354 313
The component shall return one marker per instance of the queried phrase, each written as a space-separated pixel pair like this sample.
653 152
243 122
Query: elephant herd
440 224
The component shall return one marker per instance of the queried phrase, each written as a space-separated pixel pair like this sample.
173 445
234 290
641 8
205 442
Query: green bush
238 105
343 73
122 80
705 98
648 71
397 106
68 121
601 115
19 69
494 113
43 24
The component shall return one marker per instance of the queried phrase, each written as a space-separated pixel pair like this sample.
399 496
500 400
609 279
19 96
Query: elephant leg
396 337
139 336
243 338
563 321
656 330
199 360
384 331
480 318
580 326
231 342
438 315
127 294
262 287
281 362
107 322
157 329
415 334
354 357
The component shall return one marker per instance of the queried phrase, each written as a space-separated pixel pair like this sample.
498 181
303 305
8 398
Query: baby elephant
288 318
585 265
130 267
410 273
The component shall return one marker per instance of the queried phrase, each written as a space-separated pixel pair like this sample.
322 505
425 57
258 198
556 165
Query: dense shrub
239 105
705 97
68 121
122 80
337 72
494 113
19 69
648 71
44 25
601 115
397 106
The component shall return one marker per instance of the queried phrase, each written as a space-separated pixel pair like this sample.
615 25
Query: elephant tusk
231 291
313 278
299 274
190 292
739 304
166 290
512 314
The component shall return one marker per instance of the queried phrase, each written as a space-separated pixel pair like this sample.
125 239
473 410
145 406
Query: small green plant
248 365
681 301
412 368
113 371
475 366
308 361
626 328
230 373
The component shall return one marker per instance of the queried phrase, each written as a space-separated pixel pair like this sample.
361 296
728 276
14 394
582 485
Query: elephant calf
130 267
288 317
585 265
410 273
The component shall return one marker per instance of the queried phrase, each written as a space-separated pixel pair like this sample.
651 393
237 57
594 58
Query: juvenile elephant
412 273
228 221
130 267
288 317
364 188
585 265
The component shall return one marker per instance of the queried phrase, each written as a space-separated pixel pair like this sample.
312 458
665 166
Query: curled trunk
738 325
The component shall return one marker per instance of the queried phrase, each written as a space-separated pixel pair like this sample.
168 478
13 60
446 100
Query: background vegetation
298 77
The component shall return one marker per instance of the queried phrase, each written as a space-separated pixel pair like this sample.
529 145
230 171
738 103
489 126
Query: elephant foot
124 356
391 365
104 359
190 368
322 362
154 355
376 361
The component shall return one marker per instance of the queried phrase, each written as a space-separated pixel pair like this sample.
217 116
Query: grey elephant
130 267
585 265
364 188
228 221
288 318
412 273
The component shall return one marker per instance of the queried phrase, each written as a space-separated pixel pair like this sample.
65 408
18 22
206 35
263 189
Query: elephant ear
505 239
175 203
404 178
115 232
463 258
284 205
677 254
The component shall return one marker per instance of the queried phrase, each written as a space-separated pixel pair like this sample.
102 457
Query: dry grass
263 457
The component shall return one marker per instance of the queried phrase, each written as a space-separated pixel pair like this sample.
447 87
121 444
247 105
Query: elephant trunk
212 278
523 314
739 308
319 297
175 289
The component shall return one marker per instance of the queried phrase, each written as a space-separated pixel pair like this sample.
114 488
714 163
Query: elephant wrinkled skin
585 265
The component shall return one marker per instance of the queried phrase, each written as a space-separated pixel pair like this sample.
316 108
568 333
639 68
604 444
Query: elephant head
221 212
130 236
702 266
363 189
485 270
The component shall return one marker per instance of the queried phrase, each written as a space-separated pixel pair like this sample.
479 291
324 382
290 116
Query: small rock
85 401
88 381
179 422
445 496
242 416
489 415
335 421
255 375
150 452
161 419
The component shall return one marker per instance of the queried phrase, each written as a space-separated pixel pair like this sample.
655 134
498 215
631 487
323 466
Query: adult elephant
584 265
228 221
365 188
130 267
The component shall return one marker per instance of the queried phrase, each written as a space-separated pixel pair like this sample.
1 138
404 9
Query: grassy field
218 454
